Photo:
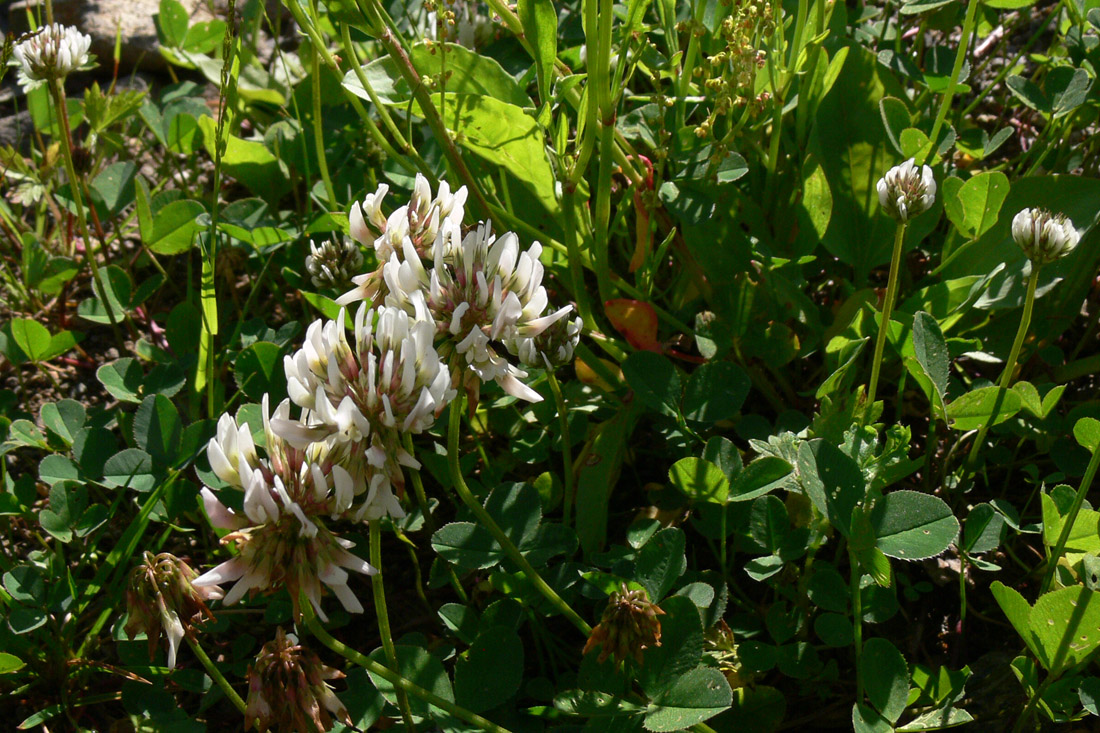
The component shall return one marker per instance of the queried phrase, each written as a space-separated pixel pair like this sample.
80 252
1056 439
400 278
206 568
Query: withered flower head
629 626
287 689
160 596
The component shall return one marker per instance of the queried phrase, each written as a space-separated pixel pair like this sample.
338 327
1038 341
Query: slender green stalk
217 676
318 130
318 631
75 185
490 524
1071 518
887 310
956 70
576 266
566 446
418 487
383 616
1010 365
857 621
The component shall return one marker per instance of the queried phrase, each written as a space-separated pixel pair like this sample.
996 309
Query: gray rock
16 131
102 19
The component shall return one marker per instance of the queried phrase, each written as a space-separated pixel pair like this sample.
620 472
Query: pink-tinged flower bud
907 191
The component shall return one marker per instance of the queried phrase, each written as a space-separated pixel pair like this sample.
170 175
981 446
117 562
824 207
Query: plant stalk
383 616
487 521
887 311
956 70
216 675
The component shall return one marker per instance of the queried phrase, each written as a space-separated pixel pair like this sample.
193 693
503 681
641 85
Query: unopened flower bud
629 626
1044 236
906 190
333 263
287 689
161 597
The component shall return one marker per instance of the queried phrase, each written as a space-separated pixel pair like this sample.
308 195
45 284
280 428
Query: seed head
628 627
287 689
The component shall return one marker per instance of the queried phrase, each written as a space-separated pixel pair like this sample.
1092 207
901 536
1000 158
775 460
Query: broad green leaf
698 695
1027 92
517 509
865 719
122 379
32 337
114 186
419 667
1087 432
977 407
723 453
941 718
1090 694
984 530
64 419
661 562
175 226
248 161
594 704
600 463
681 647
885 677
258 370
764 475
1068 88
700 480
130 468
1084 537
895 118
10 663
55 468
1066 627
171 23
979 202
490 671
835 629
467 545
157 429
932 354
715 391
654 380
1009 4
768 523
832 480
910 525
468 73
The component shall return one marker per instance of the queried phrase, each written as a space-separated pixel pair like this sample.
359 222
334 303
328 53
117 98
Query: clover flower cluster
907 190
53 52
446 310
1044 236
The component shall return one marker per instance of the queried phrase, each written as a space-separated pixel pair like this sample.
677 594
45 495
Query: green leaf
910 525
468 73
885 678
1068 89
1087 432
835 629
768 523
832 480
171 23
932 355
32 337
130 468
517 509
681 647
419 667
762 476
984 530
64 419
1061 629
975 408
594 704
661 562
248 161
1009 4
114 186
540 26
55 468
698 695
175 226
122 379
700 480
1027 92
10 663
258 370
1090 694
157 429
715 391
975 207
895 118
467 545
491 671
654 380
723 453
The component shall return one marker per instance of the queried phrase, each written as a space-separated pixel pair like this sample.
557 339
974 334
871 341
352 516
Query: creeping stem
490 524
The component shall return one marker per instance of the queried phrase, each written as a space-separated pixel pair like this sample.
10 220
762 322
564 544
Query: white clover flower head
280 534
1044 236
482 294
334 262
553 347
907 191
53 52
419 220
360 397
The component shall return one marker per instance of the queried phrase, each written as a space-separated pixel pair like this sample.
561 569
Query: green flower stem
379 590
887 310
309 616
857 620
418 487
1010 365
566 447
318 129
487 521
1071 518
576 266
75 186
956 70
216 675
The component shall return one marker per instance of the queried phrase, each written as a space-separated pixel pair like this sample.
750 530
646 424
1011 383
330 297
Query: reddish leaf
635 320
